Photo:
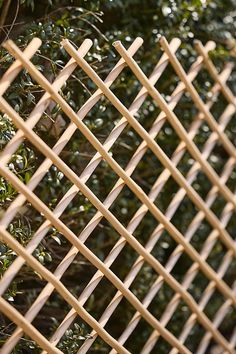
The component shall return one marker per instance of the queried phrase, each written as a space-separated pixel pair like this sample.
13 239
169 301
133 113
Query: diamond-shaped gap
100 298
8 194
204 83
52 187
102 118
99 345
214 304
119 320
177 321
201 233
143 281
217 255
126 145
145 227
167 198
51 314
201 184
7 327
101 179
218 205
164 245
102 240
139 336
141 165
229 275
194 337
185 110
161 300
231 130
76 335
125 206
23 163
203 134
167 82
126 255
218 159
162 346
227 325
219 106
179 264
231 180
168 139
24 288
185 164
231 225
126 87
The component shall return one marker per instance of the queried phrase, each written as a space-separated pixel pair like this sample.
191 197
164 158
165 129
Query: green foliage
103 22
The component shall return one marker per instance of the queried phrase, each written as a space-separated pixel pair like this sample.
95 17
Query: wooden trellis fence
144 252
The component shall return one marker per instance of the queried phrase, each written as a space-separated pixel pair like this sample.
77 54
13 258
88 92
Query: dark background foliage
104 22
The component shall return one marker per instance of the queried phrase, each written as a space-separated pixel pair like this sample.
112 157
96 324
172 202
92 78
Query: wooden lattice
52 218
